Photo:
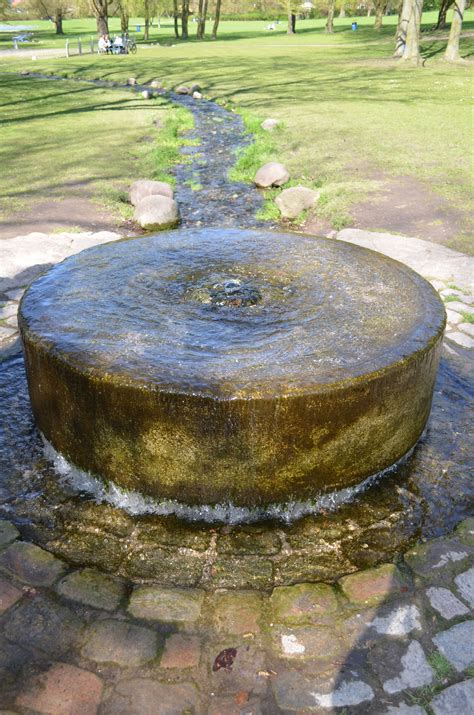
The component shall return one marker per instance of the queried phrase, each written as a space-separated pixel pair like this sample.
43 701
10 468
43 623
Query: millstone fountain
231 368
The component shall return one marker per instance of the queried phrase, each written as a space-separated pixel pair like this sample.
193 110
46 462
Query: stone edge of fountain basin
136 504
439 326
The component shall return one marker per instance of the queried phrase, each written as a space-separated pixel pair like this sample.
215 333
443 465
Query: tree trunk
199 19
369 11
175 16
441 23
102 25
330 20
184 19
202 14
291 29
101 12
204 17
379 13
124 16
342 11
401 33
452 50
217 17
58 21
411 51
146 20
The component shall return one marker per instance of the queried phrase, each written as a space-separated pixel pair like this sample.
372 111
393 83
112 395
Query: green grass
441 666
351 114
71 139
467 317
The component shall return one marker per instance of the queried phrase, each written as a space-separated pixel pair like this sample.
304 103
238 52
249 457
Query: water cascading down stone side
218 366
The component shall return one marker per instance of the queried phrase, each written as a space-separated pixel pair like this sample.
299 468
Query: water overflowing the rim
137 504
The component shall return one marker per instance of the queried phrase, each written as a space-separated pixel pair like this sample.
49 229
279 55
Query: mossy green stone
167 605
8 533
304 602
224 365
376 585
93 589
465 531
31 564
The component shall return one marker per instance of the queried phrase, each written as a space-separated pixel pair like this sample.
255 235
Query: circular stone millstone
231 366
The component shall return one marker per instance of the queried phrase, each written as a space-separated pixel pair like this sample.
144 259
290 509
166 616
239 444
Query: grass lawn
61 139
352 116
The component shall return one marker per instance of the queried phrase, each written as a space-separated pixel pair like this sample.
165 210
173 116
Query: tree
401 33
54 10
411 51
330 20
443 11
217 17
175 16
124 14
202 14
380 9
100 8
452 50
184 19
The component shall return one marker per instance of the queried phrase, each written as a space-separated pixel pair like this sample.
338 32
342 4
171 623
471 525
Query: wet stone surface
373 642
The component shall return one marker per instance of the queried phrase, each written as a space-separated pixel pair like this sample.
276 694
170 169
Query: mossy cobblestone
370 640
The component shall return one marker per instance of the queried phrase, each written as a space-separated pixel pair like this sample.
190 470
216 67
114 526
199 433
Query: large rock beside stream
293 201
156 213
271 174
146 187
269 124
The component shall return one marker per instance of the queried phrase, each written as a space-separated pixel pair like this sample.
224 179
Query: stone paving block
298 692
446 603
242 572
8 533
400 665
398 621
237 612
456 700
457 645
181 651
244 673
465 531
92 588
461 338
9 595
40 622
440 556
351 692
465 585
404 709
6 333
62 690
375 585
415 671
461 307
171 567
310 642
240 704
249 540
31 564
142 696
119 642
304 602
166 604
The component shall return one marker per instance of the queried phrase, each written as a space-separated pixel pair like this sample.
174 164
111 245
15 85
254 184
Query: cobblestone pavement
398 638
